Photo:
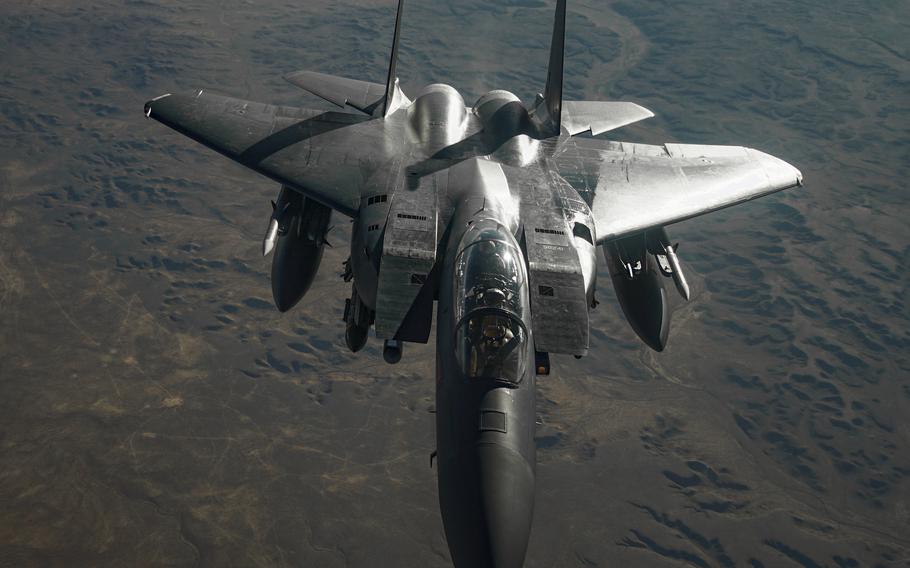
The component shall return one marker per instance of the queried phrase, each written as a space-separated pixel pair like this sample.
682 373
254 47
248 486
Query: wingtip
781 174
290 76
645 112
797 175
147 108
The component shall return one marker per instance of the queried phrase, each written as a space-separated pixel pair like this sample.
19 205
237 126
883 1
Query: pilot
494 297
487 353
495 333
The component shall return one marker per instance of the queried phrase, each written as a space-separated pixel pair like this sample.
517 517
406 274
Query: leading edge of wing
272 140
640 187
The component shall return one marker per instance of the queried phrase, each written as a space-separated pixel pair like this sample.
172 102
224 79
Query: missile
678 277
279 209
357 318
271 235
658 244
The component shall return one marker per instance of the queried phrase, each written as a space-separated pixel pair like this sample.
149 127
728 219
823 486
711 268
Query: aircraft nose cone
507 495
487 508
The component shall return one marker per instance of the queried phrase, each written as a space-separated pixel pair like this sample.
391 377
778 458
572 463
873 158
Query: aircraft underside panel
558 302
560 314
408 256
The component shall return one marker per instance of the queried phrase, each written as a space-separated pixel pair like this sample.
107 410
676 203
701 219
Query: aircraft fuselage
485 394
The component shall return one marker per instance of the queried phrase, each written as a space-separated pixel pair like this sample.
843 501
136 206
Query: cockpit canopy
491 305
492 345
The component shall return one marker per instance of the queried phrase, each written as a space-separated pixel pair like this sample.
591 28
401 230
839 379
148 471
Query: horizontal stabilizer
600 116
372 98
362 95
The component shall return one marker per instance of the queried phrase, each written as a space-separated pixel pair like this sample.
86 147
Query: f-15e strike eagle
496 211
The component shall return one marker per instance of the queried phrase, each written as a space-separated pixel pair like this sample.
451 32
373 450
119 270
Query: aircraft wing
319 154
638 187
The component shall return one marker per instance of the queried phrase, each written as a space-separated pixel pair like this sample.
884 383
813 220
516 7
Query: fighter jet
494 212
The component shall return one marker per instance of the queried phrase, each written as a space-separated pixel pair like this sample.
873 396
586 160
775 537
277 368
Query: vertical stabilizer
553 94
548 111
393 94
374 99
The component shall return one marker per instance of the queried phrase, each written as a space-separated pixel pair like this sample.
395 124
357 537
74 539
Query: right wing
637 187
324 155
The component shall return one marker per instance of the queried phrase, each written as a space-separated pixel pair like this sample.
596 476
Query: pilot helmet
493 297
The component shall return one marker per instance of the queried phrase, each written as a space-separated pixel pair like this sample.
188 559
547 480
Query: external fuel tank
297 234
639 287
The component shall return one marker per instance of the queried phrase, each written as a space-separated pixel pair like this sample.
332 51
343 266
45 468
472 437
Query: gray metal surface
361 95
559 303
598 117
409 253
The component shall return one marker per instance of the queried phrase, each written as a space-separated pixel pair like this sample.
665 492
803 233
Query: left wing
637 187
323 155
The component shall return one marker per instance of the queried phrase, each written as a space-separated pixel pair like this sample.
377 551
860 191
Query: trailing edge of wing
641 187
600 116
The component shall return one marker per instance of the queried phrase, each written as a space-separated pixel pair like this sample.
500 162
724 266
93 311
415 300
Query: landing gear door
408 256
